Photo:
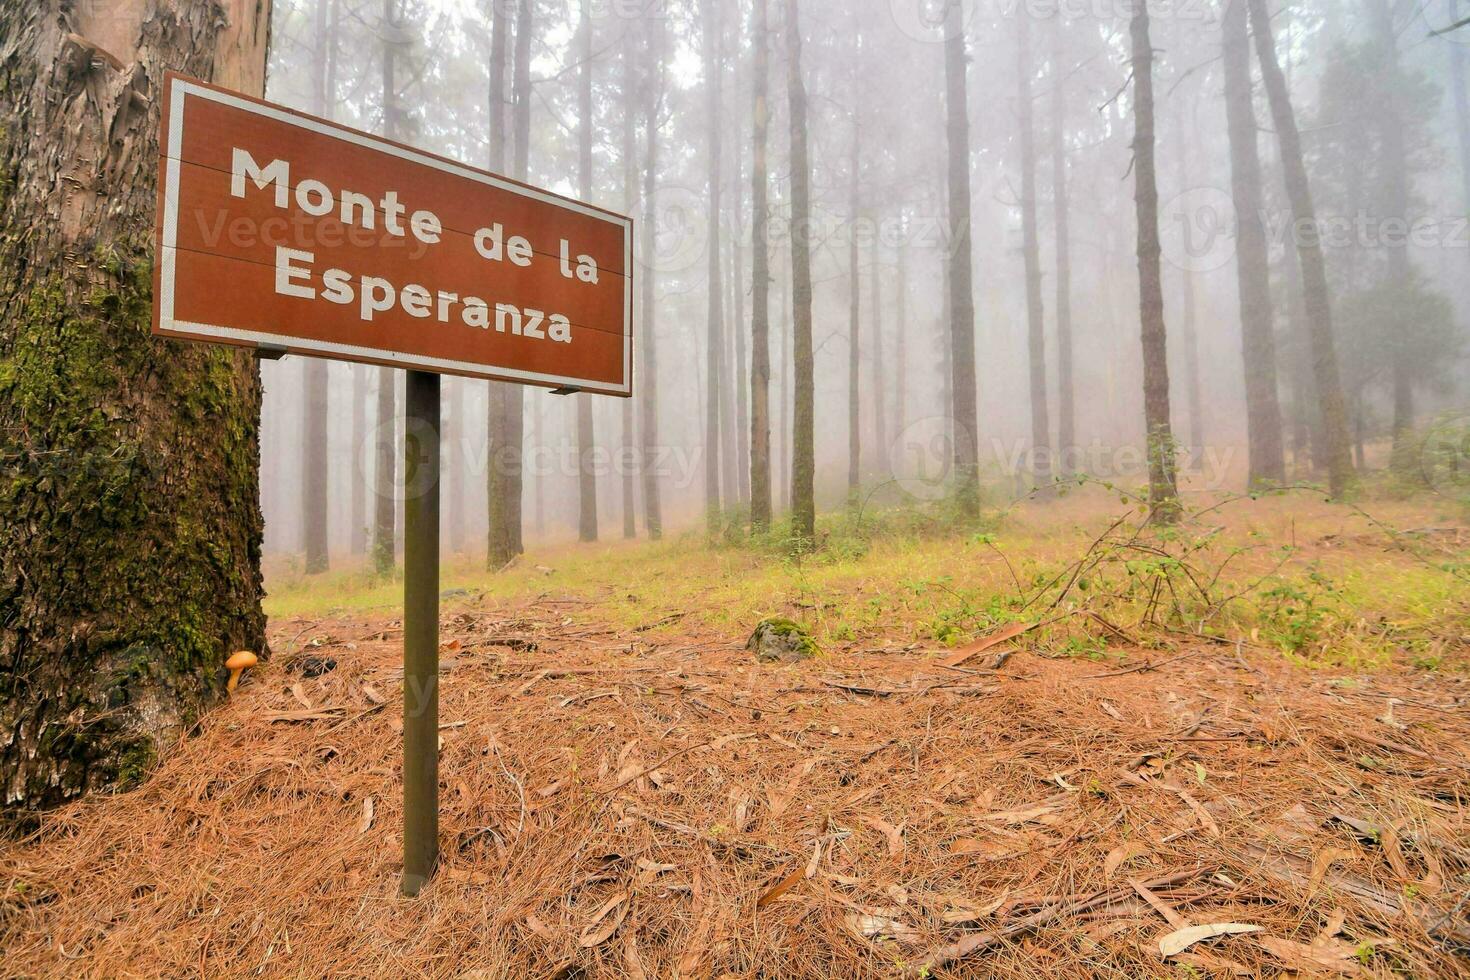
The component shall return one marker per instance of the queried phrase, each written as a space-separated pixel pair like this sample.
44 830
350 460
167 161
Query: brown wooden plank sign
280 230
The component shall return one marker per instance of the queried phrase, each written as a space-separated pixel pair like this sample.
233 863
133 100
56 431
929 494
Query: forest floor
1067 745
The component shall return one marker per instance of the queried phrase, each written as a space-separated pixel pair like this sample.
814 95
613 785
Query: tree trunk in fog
901 342
787 402
714 312
314 462
1394 172
803 434
630 205
648 403
876 368
386 447
1252 272
1031 259
963 410
507 420
760 289
1162 493
455 440
358 478
131 530
1189 327
586 436
742 372
1460 101
1066 410
1309 250
854 325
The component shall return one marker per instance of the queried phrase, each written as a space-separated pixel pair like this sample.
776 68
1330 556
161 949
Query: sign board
280 230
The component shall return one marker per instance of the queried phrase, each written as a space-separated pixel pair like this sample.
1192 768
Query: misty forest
1035 538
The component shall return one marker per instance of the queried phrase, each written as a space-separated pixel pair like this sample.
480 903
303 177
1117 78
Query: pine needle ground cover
1063 744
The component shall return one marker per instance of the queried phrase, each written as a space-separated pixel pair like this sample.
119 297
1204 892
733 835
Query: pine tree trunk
314 465
648 403
1162 494
901 342
586 434
803 434
742 372
1394 172
961 350
1189 326
876 367
455 441
760 287
507 420
1041 467
1461 102
131 530
1252 272
629 456
854 330
386 445
1066 410
358 477
1314 275
714 312
787 404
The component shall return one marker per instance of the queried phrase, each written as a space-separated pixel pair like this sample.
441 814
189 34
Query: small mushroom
239 661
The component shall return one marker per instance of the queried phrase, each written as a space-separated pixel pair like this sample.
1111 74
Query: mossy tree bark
130 529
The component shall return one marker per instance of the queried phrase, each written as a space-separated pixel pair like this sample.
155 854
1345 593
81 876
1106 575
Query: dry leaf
985 643
366 823
371 693
605 922
1332 955
1120 856
961 910
299 693
631 960
538 927
1323 863
878 922
1111 711
986 849
1181 939
781 888
1020 816
894 834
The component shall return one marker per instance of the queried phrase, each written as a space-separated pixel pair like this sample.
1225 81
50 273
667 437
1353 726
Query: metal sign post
420 631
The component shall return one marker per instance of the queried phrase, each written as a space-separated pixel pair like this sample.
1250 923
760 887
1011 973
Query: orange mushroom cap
241 659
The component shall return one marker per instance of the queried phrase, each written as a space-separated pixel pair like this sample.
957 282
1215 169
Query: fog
874 77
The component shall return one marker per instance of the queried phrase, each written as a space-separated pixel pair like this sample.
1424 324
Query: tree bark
314 462
1318 307
629 455
1394 172
878 370
648 403
131 529
1066 410
803 436
1189 326
507 420
358 538
854 326
1162 493
1461 102
760 286
714 312
586 434
1252 271
901 340
964 407
1031 258
385 469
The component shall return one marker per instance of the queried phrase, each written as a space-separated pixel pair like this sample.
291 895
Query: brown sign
280 230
